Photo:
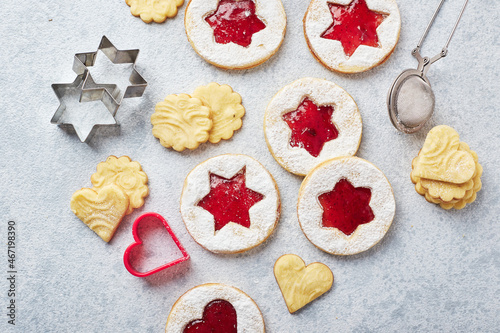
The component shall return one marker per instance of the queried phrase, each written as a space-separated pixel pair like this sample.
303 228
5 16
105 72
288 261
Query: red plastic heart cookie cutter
138 241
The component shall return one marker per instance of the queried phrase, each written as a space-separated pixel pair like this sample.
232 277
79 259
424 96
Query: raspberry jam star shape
354 25
230 200
235 21
311 126
346 207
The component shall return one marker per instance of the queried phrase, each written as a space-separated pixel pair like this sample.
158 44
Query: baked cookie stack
446 171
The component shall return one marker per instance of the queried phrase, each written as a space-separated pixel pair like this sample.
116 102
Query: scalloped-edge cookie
264 43
225 108
154 10
102 212
181 121
127 174
327 38
197 311
359 200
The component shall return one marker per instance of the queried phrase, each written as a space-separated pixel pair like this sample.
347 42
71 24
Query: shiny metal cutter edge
93 94
84 60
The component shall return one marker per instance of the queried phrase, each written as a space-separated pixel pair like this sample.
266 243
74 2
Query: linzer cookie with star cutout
214 307
352 36
346 205
230 203
235 34
310 121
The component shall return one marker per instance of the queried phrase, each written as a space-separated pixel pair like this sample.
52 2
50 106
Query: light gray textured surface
435 270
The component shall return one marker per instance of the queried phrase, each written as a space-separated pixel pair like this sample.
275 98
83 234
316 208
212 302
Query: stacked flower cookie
446 171
120 186
211 113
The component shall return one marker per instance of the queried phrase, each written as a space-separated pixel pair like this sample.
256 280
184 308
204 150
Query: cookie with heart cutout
310 121
235 34
230 203
346 205
215 307
352 36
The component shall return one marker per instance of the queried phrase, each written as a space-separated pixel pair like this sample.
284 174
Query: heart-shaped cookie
102 212
138 242
440 158
301 284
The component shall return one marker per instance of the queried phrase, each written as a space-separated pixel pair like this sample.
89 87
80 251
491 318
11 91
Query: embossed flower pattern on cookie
181 122
125 173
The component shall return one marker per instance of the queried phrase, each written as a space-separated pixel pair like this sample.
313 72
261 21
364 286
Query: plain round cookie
191 305
330 53
265 43
232 238
322 179
346 118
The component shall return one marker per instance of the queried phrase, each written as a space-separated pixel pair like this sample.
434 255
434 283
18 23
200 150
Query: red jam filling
354 25
311 126
219 316
229 200
235 21
346 207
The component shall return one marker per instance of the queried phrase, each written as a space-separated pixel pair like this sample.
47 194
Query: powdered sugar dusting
190 307
360 173
264 43
330 52
346 118
233 237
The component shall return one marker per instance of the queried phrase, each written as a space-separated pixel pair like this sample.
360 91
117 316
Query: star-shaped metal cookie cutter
108 94
92 94
84 60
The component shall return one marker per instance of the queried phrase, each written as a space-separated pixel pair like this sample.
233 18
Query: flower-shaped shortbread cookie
154 10
125 173
226 109
181 122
